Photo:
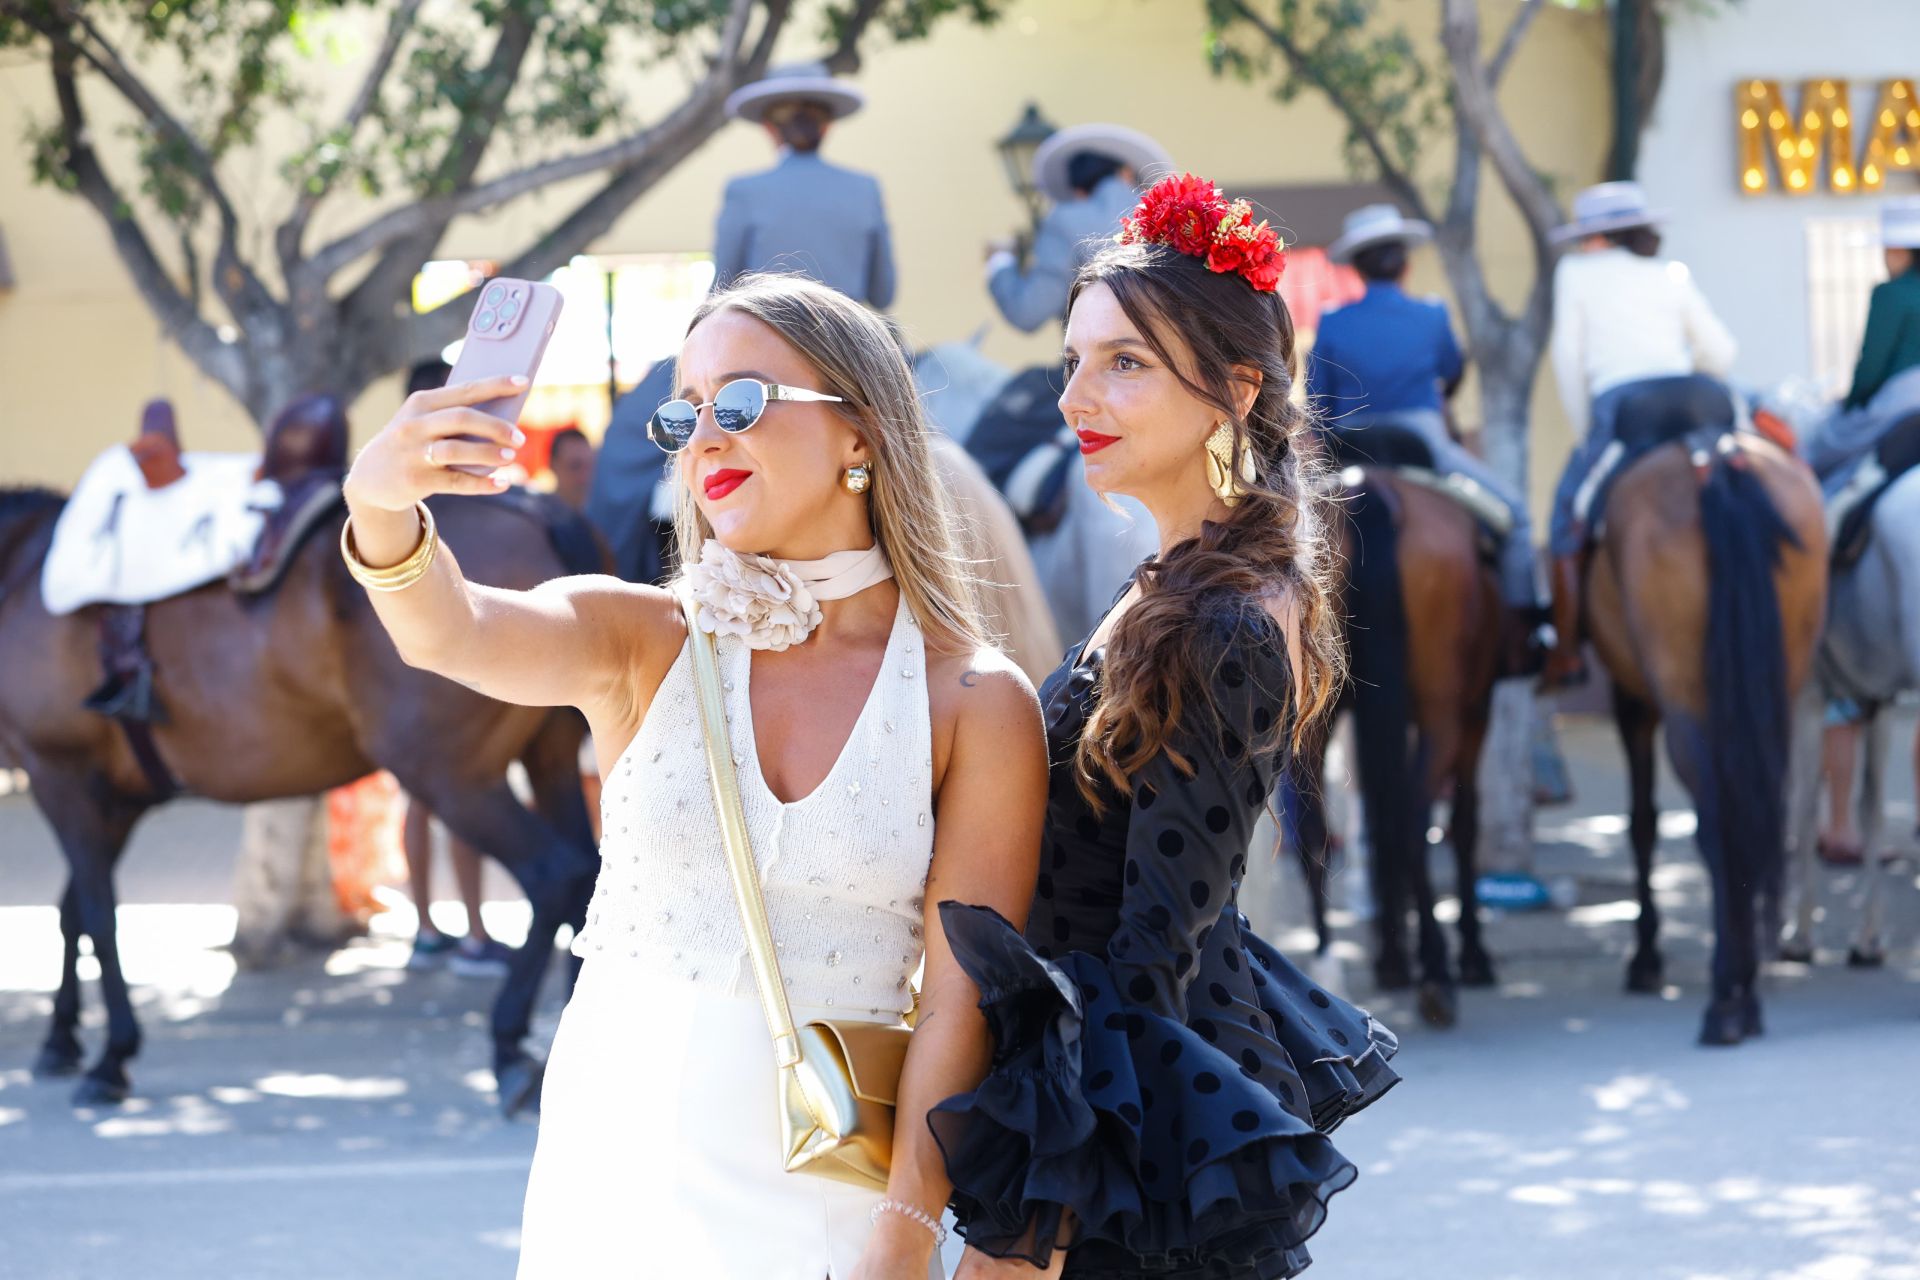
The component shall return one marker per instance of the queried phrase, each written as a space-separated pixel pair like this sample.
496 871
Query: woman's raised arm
571 642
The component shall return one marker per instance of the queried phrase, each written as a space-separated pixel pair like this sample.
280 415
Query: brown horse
1424 630
279 696
1704 599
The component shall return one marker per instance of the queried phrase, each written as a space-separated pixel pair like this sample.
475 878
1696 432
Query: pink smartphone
512 322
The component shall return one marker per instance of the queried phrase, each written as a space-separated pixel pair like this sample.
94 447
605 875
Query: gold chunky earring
1229 481
858 479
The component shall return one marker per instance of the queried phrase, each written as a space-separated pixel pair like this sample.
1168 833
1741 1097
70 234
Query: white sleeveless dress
658 1148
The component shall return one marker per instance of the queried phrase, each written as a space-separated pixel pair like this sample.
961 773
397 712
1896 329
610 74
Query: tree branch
697 113
237 284
288 238
845 59
1477 107
1397 180
1516 32
220 360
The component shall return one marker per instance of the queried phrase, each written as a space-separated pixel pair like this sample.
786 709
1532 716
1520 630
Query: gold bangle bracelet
396 577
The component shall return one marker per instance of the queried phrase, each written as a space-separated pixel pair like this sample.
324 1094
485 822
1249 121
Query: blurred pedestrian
1622 318
1090 173
570 457
804 214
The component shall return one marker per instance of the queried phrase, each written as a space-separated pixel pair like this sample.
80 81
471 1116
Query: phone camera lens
484 322
508 310
494 294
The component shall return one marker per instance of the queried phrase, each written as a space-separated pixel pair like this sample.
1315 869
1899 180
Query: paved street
333 1120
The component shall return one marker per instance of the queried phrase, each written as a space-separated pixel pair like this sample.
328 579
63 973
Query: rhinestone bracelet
920 1216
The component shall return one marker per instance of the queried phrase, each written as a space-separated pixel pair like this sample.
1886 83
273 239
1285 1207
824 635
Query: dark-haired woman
1163 1081
804 215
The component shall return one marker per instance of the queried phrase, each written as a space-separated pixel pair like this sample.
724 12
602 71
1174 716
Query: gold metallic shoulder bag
839 1081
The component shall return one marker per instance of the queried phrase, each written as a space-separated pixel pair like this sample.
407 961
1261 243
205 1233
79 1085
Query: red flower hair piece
1189 215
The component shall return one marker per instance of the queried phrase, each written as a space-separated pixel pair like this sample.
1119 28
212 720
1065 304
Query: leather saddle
1652 413
1408 455
306 456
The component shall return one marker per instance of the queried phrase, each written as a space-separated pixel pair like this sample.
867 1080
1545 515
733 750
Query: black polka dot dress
1160 1074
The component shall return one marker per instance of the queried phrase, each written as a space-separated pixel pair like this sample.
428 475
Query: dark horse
1424 629
1705 595
280 696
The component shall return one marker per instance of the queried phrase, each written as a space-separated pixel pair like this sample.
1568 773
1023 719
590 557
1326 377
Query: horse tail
1381 689
1748 711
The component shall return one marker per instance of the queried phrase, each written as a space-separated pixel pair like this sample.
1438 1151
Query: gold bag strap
733 834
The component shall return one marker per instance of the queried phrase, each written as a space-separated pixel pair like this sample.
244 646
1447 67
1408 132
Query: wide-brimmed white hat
1376 224
798 82
1147 158
1611 206
1900 223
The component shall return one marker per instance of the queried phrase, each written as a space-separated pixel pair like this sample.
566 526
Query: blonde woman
887 759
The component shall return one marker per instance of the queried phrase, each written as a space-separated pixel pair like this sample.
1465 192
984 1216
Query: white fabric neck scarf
774 604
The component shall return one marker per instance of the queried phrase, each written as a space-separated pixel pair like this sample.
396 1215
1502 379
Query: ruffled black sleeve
1194 816
1161 1099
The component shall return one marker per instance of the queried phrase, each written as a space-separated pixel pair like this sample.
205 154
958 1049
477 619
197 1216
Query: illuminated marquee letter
1796 141
1894 143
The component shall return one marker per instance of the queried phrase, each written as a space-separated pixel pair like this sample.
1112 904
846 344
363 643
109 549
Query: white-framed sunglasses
736 406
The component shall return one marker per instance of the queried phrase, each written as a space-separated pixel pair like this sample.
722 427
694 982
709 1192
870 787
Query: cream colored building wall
79 353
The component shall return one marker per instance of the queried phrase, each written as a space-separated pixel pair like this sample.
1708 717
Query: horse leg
1476 966
1303 812
1869 948
92 825
61 1054
557 878
1637 722
1439 1004
1803 821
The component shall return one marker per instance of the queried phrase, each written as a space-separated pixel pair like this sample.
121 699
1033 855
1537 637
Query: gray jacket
808 216
1069 235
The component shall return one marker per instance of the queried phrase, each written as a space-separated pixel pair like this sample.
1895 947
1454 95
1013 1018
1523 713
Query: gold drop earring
1230 481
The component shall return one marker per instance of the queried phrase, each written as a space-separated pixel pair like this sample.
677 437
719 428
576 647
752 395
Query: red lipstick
1093 441
720 483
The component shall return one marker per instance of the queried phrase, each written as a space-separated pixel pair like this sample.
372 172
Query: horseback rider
1089 172
1886 379
1388 361
1622 318
804 214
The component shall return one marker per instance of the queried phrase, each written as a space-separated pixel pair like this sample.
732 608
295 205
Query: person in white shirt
1622 318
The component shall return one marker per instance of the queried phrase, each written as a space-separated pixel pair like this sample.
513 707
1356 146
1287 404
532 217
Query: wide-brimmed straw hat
798 82
1376 224
1147 158
1611 206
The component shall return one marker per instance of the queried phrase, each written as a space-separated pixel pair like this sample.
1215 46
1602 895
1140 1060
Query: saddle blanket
119 542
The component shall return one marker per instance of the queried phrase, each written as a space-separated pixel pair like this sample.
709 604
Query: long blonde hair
860 356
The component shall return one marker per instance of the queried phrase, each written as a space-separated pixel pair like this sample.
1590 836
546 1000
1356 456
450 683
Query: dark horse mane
20 505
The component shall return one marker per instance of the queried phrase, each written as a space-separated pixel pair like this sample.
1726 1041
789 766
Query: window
1844 263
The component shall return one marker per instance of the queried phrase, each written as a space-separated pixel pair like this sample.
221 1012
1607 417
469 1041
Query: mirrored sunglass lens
672 424
739 405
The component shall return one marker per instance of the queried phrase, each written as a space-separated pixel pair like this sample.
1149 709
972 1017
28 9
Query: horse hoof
519 1084
1392 975
56 1064
1858 959
1796 953
1476 970
1725 1024
1643 978
95 1092
1439 1007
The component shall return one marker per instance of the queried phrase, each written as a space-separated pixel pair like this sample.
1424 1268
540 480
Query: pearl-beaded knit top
843 870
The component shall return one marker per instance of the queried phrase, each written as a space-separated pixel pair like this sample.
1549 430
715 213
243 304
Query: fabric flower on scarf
756 599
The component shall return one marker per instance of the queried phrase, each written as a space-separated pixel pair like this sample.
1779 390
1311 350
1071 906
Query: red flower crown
1188 214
